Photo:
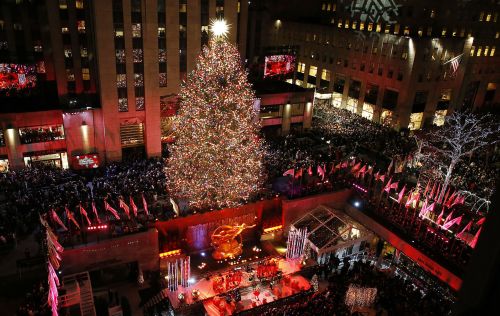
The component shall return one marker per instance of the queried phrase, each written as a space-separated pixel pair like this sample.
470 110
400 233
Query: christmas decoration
360 296
216 160
296 243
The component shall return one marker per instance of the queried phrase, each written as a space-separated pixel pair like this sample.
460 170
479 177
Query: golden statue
225 242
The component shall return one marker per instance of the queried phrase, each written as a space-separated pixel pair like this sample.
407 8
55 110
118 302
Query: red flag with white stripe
134 207
125 207
145 205
71 218
94 209
56 218
108 207
84 213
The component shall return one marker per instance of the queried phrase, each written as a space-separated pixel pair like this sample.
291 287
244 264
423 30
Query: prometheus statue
225 241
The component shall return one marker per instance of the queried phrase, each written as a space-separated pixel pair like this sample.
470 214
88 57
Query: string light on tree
217 158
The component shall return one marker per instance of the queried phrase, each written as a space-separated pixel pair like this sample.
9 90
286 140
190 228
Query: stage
246 280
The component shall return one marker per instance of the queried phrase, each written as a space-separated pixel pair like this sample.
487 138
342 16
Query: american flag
455 62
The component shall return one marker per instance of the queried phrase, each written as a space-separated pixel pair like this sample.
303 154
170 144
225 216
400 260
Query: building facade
405 64
111 68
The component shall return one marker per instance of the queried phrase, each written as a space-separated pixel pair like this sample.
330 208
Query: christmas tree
216 160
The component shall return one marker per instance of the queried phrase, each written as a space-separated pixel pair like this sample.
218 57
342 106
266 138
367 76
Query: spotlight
357 204
191 280
203 254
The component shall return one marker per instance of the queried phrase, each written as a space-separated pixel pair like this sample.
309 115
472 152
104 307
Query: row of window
486 52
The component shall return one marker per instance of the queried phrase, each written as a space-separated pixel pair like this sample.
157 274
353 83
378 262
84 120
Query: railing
80 293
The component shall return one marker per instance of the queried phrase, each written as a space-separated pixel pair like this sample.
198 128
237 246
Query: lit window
137 55
70 75
486 50
63 4
37 47
136 30
497 35
183 8
346 25
354 25
119 33
120 56
161 31
85 74
328 7
387 28
396 29
406 31
339 24
121 80
139 104
313 70
361 26
83 52
370 27
67 53
420 32
433 14
379 28
163 80
122 104
80 25
40 67
488 17
138 80
239 7
439 117
492 51
162 55
301 67
415 121
479 51
472 50
64 30
325 75
79 4
454 33
443 32
481 16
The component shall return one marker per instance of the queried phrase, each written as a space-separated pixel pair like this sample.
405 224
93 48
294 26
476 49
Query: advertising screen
277 65
88 161
17 76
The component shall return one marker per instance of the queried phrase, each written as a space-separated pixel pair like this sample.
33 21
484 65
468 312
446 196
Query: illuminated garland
216 160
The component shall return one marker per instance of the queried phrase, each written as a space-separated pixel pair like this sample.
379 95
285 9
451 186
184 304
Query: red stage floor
205 287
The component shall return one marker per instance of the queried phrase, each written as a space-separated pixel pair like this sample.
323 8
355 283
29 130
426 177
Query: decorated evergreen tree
216 160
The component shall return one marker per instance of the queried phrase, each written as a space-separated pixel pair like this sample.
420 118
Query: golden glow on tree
216 160
219 28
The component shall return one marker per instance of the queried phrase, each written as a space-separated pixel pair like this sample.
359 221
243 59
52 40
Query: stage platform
288 268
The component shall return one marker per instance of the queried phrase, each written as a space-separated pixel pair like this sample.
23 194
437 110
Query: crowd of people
41 134
32 192
395 295
35 301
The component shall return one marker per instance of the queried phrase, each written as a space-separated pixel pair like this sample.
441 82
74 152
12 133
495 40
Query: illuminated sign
89 161
375 10
279 65
17 77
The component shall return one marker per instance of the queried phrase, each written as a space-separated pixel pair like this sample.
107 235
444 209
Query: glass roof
327 228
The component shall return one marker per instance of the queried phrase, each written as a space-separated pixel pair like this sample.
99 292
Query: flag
56 218
125 207
175 207
474 241
370 171
433 190
448 218
390 166
414 197
401 194
362 171
84 213
352 163
338 166
344 164
321 172
458 200
289 172
456 220
423 210
309 171
446 195
451 199
427 188
440 217
134 207
356 167
298 174
466 229
426 209
454 63
376 176
94 209
438 191
145 205
387 187
108 207
382 178
71 218
481 221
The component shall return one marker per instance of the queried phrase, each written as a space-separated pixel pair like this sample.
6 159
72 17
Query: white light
357 204
203 254
191 280
219 27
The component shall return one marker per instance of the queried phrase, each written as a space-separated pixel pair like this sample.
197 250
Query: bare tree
462 134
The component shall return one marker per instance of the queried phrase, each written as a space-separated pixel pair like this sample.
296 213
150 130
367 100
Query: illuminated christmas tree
216 160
